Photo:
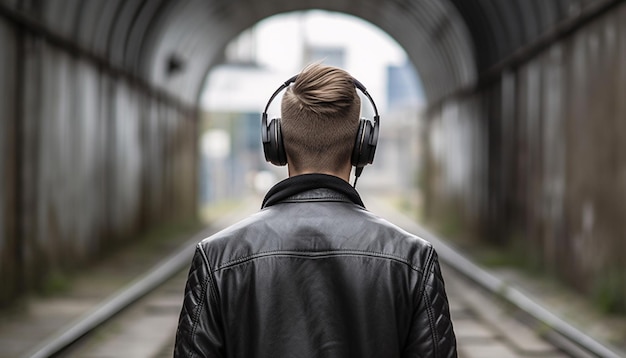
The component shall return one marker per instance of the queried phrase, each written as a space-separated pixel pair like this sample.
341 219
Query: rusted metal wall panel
153 142
96 156
88 161
556 160
65 202
456 166
126 159
594 195
7 161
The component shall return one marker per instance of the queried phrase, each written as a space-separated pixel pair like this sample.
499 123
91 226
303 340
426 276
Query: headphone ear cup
371 138
274 148
365 144
357 151
281 154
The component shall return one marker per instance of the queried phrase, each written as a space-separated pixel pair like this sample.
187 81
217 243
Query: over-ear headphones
364 144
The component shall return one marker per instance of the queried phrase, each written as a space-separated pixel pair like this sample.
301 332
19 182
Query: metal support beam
526 53
556 34
35 28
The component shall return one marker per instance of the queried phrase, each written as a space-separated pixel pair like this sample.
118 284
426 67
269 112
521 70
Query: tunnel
524 121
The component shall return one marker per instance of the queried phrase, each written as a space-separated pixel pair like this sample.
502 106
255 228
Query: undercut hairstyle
320 115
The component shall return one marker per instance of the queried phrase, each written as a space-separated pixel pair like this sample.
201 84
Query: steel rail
132 292
115 303
159 274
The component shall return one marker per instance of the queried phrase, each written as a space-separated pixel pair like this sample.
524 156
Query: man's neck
344 174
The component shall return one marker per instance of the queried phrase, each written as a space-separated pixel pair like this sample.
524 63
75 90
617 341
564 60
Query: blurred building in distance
237 91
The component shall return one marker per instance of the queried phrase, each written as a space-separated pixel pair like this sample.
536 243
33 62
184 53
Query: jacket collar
302 187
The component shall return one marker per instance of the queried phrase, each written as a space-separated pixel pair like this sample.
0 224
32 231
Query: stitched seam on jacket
213 291
316 254
431 321
205 284
429 264
422 284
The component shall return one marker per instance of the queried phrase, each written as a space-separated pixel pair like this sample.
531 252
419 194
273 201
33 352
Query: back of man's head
319 119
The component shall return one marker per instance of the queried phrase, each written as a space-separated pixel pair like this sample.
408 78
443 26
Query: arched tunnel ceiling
171 44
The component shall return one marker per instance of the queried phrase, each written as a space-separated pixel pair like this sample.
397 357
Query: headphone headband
282 87
364 146
293 79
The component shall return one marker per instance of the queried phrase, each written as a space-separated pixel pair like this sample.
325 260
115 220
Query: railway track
140 320
171 269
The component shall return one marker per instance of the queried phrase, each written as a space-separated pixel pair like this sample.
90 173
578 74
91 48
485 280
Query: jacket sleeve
199 332
432 333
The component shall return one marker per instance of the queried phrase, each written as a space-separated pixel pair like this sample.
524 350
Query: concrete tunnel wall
6 111
536 160
87 159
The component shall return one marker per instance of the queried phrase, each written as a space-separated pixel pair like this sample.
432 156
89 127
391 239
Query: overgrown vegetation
143 250
609 292
55 282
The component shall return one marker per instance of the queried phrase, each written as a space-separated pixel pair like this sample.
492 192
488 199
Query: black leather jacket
314 274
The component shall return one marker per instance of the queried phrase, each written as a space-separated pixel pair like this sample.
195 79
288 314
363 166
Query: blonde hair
319 118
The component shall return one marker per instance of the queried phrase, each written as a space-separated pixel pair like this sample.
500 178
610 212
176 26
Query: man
314 274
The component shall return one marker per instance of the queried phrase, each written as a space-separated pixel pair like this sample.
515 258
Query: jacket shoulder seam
213 291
